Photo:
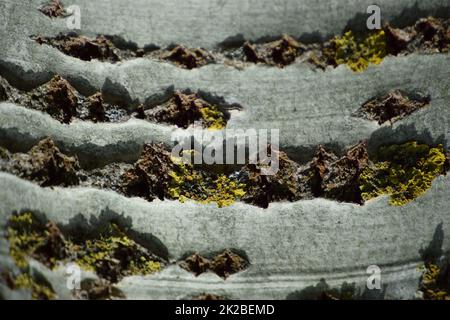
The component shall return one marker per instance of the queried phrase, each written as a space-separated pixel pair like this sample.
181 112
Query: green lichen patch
357 51
435 282
213 118
39 290
28 237
112 254
4 154
223 264
157 174
352 177
404 172
202 186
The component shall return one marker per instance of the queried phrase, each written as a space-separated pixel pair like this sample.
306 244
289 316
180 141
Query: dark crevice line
353 177
356 49
63 102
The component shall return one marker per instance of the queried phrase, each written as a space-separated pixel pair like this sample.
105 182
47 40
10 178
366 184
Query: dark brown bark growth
98 290
285 51
313 174
227 263
392 107
427 35
433 33
63 102
208 296
397 39
150 178
82 47
332 177
223 264
3 93
280 53
61 99
110 253
53 247
264 189
447 162
53 9
140 112
251 53
341 181
45 164
96 107
108 177
326 175
196 264
184 110
188 58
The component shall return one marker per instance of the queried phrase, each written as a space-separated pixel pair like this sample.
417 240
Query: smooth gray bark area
290 246
214 22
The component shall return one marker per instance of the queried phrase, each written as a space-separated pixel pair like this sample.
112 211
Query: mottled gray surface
308 107
290 245
210 23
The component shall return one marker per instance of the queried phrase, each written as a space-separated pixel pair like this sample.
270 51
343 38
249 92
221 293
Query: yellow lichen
93 254
359 52
430 284
404 171
23 237
4 154
188 183
38 291
213 118
144 267
113 248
